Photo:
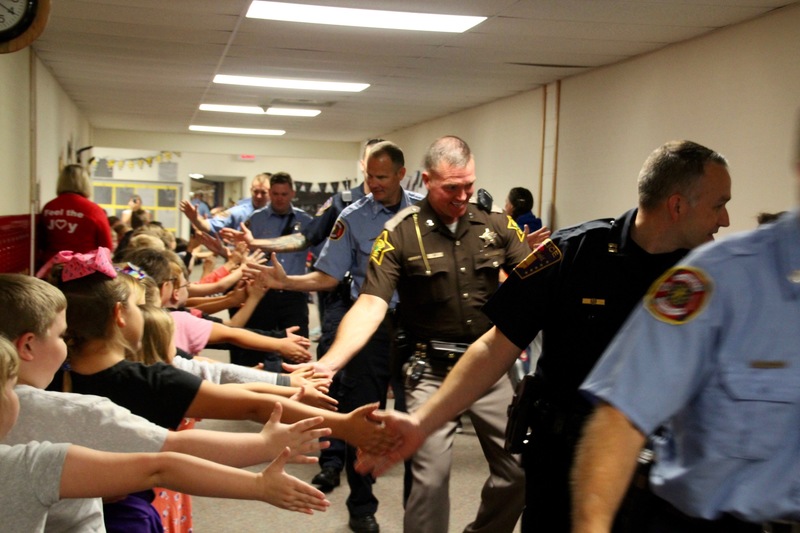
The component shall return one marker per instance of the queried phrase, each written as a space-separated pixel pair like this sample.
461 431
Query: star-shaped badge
488 236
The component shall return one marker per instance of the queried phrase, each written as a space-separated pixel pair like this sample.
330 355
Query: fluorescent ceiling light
256 110
237 131
250 110
196 176
363 18
281 83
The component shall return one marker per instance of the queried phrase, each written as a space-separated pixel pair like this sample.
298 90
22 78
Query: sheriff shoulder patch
324 207
337 231
545 255
513 225
381 246
678 296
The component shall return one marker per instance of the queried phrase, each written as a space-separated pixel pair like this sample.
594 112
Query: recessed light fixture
196 176
256 110
250 110
282 83
237 131
363 18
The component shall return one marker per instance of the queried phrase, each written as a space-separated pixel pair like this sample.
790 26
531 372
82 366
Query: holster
531 410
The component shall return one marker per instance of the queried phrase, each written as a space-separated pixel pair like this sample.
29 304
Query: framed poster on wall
161 199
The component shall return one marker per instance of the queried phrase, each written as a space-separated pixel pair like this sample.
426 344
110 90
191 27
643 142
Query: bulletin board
161 199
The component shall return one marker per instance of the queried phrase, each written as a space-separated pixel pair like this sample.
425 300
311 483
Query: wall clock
21 22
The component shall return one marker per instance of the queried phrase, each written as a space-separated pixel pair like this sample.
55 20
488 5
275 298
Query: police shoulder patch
381 246
337 231
545 255
514 226
324 207
679 295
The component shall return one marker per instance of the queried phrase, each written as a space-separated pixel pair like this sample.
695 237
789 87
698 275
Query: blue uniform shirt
233 217
714 352
321 225
265 224
350 242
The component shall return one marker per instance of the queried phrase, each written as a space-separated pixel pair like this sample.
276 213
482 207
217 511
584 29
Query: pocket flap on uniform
766 385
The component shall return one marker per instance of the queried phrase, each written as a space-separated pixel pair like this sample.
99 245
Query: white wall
15 152
735 90
505 137
59 126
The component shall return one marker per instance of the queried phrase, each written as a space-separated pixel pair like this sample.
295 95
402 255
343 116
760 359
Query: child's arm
306 394
256 289
293 347
246 449
84 475
214 304
231 403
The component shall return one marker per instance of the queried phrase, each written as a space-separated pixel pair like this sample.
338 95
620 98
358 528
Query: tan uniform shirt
443 278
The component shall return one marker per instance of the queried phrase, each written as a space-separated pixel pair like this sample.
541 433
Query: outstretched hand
537 237
408 436
318 370
365 430
287 492
310 395
300 438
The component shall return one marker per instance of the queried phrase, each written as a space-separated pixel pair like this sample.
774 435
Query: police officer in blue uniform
578 288
365 378
711 354
236 215
332 304
278 309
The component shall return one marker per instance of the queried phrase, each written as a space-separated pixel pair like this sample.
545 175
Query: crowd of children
116 348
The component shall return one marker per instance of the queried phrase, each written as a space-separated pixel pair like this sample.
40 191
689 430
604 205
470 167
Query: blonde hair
152 294
74 178
9 363
157 339
145 240
28 305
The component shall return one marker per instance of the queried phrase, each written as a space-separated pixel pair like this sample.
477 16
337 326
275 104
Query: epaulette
495 208
400 216
583 227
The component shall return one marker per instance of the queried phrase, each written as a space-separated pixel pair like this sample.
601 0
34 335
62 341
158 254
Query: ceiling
148 64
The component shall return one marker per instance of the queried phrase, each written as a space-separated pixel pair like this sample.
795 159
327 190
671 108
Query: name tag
593 301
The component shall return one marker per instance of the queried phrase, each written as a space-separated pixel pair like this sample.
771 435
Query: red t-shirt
72 222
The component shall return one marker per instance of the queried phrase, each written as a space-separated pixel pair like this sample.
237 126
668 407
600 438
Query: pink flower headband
79 265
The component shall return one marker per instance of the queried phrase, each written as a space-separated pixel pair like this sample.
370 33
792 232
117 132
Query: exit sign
247 157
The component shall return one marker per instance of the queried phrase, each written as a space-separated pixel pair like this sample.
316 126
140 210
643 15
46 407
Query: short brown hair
27 305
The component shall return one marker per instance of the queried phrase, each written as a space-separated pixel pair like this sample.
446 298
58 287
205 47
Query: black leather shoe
326 480
364 524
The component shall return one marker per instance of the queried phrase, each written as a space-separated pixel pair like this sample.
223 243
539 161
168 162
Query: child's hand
310 395
365 431
304 375
301 437
293 347
287 492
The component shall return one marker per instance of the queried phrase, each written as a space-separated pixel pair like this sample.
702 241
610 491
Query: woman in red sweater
71 221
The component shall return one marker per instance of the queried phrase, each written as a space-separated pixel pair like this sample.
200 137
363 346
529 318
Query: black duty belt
439 356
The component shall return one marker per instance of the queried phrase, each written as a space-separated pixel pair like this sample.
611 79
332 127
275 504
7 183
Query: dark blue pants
276 310
365 380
